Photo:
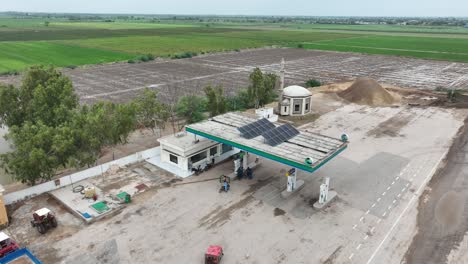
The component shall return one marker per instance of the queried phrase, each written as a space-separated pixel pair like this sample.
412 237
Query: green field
25 42
427 48
19 55
166 45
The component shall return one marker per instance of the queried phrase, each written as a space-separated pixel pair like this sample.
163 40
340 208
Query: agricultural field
61 42
19 55
419 47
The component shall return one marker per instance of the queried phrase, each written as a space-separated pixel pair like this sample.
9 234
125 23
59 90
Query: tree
151 112
45 96
262 87
216 100
191 108
238 102
46 23
49 130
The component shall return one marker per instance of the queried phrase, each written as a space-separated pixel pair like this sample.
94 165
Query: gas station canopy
293 151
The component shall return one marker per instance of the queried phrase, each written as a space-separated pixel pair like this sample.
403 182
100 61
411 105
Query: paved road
443 209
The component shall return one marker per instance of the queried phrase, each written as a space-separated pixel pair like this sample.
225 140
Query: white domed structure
295 101
296 91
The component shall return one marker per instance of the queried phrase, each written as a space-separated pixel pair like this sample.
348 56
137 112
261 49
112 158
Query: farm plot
418 47
18 55
174 78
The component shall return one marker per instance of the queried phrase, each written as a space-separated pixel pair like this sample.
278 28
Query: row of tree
49 130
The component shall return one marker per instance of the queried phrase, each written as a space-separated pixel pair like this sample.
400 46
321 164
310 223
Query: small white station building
187 151
296 101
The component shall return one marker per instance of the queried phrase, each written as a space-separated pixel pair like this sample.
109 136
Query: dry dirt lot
393 152
173 78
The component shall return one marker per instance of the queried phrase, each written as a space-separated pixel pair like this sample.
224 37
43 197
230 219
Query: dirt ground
173 78
381 175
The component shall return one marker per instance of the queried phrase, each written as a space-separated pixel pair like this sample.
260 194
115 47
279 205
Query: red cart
7 245
213 255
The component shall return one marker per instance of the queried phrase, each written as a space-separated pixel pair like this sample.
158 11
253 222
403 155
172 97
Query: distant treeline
428 21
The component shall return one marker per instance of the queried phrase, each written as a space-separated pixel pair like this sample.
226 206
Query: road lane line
407 207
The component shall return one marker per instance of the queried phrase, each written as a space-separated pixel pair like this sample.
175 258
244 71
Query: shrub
131 61
10 72
144 58
313 83
71 67
300 45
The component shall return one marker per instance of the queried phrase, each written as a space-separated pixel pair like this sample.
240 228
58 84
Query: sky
439 8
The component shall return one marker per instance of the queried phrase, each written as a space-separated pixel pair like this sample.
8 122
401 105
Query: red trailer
7 245
213 255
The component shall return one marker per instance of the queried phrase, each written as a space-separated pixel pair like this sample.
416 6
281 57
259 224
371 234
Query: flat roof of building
185 143
292 152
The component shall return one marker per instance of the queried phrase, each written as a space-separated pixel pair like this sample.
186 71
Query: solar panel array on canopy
256 128
280 134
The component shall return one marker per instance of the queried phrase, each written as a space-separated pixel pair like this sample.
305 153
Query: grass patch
16 56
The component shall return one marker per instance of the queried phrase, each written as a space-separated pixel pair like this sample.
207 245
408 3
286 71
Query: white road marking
372 229
359 246
367 212
406 208
393 182
402 190
388 188
383 194
362 218
389 207
384 214
366 237
397 178
354 227
351 256
378 199
373 206
394 201
378 220
407 184
399 195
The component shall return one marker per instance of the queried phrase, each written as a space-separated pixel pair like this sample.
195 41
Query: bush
144 58
300 45
131 61
185 55
453 95
71 67
11 72
237 50
313 83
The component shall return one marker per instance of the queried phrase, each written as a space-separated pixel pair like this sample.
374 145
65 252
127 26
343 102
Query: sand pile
367 91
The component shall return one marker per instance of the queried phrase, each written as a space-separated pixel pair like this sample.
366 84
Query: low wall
78 176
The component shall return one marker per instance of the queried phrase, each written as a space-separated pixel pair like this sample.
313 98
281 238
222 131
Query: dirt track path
443 208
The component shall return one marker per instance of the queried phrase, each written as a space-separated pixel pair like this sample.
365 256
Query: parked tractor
7 245
43 220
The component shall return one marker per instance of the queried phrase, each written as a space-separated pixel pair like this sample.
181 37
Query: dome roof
296 91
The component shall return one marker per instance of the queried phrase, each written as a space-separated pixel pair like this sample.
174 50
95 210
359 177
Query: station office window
196 158
307 107
213 151
226 148
297 108
173 159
